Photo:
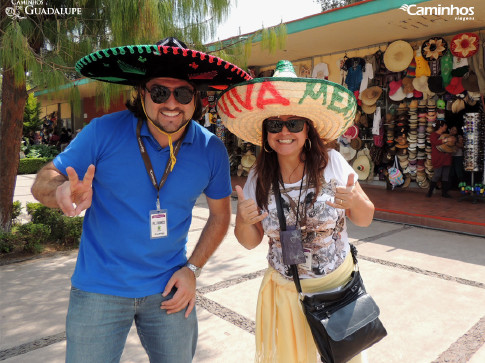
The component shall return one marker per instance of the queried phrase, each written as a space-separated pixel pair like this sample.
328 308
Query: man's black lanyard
148 163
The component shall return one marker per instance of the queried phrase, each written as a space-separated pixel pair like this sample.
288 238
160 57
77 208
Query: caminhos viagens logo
458 12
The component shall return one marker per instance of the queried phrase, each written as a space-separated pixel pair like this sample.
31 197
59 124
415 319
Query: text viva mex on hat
269 95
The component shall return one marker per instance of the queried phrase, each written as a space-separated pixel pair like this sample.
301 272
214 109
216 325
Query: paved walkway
430 286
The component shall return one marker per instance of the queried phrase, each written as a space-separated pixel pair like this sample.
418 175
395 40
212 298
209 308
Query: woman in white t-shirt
318 189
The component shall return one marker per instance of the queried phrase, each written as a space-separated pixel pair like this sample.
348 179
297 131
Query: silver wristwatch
196 270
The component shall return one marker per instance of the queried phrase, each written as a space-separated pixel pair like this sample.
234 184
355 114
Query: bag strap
279 207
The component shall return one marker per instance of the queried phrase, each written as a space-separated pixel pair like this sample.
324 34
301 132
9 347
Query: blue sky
250 15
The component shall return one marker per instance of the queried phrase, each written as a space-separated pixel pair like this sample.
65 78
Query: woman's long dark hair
134 104
267 167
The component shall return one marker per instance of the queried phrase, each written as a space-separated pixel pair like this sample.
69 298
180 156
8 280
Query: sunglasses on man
275 126
160 94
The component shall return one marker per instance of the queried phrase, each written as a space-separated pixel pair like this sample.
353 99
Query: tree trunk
11 121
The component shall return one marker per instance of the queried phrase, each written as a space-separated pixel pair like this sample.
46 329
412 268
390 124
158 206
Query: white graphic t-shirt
323 228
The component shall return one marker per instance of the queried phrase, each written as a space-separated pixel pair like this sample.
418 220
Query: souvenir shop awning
373 22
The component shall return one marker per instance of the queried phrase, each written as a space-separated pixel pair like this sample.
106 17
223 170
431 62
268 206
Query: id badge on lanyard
158 223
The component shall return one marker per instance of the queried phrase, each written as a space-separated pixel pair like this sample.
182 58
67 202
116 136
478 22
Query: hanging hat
407 85
347 152
421 84
351 133
361 166
435 84
455 87
464 45
248 159
470 81
458 105
243 107
417 94
434 48
369 110
394 86
399 95
370 95
398 56
134 64
356 143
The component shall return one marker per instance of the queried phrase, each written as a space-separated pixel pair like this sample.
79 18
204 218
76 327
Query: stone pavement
430 286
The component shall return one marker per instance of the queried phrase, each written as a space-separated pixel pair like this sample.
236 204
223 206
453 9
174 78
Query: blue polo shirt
116 255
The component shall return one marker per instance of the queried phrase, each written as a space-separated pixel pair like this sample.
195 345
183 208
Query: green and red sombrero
132 64
244 107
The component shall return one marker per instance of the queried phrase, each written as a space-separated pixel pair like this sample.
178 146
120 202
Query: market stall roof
372 22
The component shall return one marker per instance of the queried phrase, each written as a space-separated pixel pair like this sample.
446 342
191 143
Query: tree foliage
32 121
333 4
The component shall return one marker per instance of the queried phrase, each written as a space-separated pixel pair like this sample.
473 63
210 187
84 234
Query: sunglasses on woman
275 126
160 94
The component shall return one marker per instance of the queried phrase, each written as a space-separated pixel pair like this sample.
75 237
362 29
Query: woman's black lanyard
290 239
297 211
148 163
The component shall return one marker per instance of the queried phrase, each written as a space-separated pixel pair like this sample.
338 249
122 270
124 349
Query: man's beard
184 121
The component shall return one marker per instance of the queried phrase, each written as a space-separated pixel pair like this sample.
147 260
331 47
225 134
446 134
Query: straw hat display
458 105
398 56
330 106
247 161
369 109
347 152
370 95
356 143
398 95
434 48
361 166
421 84
464 45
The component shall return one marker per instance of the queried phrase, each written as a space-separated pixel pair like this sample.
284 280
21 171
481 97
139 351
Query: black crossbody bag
344 321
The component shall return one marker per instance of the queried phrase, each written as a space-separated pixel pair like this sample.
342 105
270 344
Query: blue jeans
97 326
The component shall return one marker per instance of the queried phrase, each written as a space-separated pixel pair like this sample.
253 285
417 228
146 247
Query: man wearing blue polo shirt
142 171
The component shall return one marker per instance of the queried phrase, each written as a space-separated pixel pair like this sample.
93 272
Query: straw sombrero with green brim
134 64
244 107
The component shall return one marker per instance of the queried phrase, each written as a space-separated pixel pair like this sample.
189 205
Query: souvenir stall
403 89
242 155
423 83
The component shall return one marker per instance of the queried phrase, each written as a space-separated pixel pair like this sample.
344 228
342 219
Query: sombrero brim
464 45
398 56
347 152
361 166
244 107
133 64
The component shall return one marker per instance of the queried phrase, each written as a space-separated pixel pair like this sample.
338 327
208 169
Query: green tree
332 4
41 49
32 121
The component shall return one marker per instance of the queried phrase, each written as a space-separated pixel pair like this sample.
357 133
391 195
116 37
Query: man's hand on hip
184 297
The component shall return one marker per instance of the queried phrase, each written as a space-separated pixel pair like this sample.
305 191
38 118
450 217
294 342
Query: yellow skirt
282 332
